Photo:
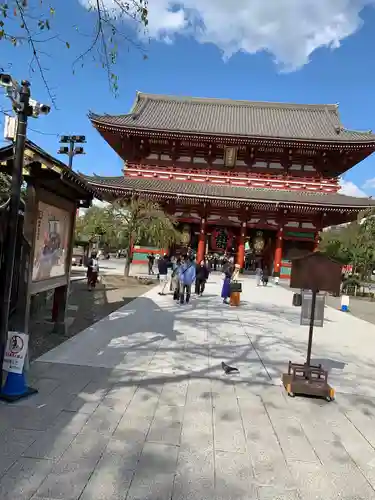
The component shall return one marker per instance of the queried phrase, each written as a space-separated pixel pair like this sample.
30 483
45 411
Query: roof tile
235 118
229 192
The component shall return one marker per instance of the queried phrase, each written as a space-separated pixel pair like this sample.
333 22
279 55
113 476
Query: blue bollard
15 388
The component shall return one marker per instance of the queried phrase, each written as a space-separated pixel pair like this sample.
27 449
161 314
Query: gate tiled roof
226 117
174 189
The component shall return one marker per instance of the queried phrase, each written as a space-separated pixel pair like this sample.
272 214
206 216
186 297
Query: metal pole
311 328
71 153
13 215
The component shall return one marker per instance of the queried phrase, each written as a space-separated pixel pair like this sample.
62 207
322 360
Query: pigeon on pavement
229 369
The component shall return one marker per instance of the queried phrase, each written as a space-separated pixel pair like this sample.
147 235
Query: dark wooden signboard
318 273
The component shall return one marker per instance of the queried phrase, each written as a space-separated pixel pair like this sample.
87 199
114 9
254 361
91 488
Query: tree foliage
353 244
98 225
4 186
125 223
143 220
32 23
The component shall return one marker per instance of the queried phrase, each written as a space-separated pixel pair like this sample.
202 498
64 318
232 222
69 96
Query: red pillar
278 252
241 246
202 242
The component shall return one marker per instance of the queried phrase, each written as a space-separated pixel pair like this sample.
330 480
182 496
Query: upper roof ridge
233 102
233 118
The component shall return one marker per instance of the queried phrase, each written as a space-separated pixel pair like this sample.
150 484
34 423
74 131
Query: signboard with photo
51 242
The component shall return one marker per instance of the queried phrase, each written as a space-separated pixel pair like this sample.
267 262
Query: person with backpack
187 275
92 271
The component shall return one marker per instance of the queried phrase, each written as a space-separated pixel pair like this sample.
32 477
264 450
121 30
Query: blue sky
228 59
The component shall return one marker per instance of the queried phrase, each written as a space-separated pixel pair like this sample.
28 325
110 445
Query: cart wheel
291 394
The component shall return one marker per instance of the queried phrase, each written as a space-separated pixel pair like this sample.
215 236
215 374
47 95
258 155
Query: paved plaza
137 407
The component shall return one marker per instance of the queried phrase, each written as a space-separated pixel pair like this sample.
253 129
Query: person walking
235 293
201 278
258 274
92 271
187 274
225 291
151 261
215 262
265 276
176 279
163 265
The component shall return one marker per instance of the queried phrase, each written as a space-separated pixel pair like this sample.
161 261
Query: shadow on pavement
155 417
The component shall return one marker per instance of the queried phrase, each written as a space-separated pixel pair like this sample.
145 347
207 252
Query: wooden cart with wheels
307 381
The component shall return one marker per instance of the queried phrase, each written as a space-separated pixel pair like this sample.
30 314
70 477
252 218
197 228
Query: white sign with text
15 352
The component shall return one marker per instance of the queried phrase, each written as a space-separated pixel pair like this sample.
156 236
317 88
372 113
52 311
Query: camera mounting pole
71 150
15 387
23 110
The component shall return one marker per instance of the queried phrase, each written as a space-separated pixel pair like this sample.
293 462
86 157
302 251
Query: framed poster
51 242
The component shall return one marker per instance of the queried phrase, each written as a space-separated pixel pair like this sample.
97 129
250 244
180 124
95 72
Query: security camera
44 109
39 108
6 81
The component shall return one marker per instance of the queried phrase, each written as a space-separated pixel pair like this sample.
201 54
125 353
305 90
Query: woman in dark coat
202 274
265 276
92 271
225 291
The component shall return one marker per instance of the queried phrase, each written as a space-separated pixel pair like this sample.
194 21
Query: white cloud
99 203
95 202
290 30
369 184
351 189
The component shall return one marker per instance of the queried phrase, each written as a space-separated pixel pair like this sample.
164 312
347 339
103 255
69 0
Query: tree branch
106 38
30 40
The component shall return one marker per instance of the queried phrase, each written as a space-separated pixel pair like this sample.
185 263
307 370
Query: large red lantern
221 240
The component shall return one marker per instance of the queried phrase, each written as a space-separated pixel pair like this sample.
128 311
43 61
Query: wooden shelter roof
170 189
35 154
230 118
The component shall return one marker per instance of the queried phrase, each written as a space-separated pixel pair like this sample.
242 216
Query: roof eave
125 128
65 170
226 198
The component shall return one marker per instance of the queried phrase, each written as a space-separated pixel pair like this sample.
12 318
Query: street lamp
24 107
71 150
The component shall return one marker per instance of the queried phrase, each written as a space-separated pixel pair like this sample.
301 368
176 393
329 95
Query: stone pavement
360 307
136 407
